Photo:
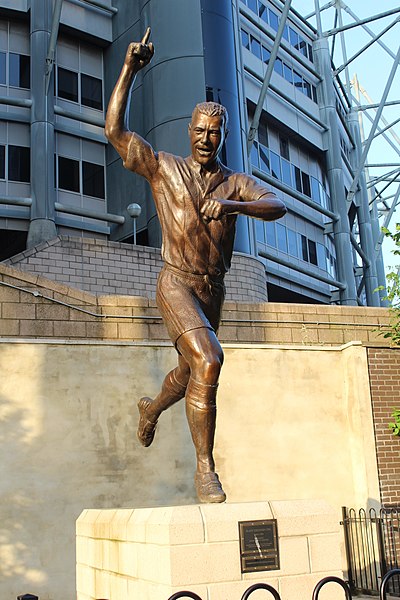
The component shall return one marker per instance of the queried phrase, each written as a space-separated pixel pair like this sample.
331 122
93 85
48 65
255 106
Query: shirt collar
198 168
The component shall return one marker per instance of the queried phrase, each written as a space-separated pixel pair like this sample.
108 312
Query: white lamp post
134 211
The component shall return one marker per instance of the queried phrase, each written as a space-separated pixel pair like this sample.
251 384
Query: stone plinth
150 553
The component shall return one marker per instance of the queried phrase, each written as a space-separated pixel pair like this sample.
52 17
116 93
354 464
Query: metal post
42 226
341 227
364 220
274 52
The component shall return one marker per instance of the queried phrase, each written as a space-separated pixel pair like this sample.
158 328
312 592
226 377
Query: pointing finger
146 36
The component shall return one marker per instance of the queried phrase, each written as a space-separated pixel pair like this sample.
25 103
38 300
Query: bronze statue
197 200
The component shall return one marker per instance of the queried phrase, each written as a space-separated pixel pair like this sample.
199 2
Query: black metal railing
372 542
385 587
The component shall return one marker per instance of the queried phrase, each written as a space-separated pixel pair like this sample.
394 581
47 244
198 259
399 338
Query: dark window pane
93 179
275 165
245 39
298 80
310 53
260 233
306 184
286 172
304 248
303 47
315 190
91 92
68 174
284 147
278 66
254 155
271 235
266 55
273 19
264 159
255 47
312 249
288 73
292 242
263 134
2 162
314 94
67 84
307 88
20 70
252 4
293 37
281 235
19 164
262 12
297 178
2 68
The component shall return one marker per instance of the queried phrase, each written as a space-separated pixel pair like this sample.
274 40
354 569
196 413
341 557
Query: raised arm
138 55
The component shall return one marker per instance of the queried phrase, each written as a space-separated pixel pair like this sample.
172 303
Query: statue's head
207 131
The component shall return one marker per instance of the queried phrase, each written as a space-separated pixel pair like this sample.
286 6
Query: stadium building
59 178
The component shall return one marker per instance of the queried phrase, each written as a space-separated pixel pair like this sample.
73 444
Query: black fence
372 541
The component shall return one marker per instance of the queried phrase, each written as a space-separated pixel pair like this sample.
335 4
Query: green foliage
392 331
395 425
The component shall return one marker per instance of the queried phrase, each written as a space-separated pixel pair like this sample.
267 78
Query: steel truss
356 228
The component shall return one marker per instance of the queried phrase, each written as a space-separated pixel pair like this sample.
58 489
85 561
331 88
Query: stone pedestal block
151 553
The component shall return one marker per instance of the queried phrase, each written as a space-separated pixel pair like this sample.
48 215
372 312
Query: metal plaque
259 547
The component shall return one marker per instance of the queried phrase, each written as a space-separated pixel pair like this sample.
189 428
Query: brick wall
384 371
32 306
103 267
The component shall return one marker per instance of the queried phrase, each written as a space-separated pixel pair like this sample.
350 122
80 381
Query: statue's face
207 135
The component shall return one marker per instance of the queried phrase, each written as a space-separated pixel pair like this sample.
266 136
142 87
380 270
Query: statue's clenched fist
139 54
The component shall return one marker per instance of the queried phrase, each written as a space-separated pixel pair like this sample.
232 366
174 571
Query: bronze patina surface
197 200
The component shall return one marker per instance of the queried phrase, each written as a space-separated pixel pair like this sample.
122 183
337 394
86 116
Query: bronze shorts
188 301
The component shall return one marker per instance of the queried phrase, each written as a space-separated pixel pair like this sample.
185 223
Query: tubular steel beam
23 102
360 22
331 3
52 42
69 114
368 106
388 126
357 54
274 53
367 146
15 201
368 30
90 214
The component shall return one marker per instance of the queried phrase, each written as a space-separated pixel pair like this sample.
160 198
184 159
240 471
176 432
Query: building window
19 164
284 147
281 236
2 68
93 180
91 92
81 177
67 84
280 67
68 174
2 162
81 88
19 70
273 19
271 235
312 252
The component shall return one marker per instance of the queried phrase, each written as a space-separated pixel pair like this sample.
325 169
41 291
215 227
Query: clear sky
372 69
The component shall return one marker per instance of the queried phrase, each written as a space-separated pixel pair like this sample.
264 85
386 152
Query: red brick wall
384 370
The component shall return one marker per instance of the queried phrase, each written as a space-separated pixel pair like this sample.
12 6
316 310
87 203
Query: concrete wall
293 423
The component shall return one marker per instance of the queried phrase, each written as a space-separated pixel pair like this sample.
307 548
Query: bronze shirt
179 191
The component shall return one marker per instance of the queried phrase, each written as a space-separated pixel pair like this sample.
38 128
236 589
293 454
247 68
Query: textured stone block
304 517
221 520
